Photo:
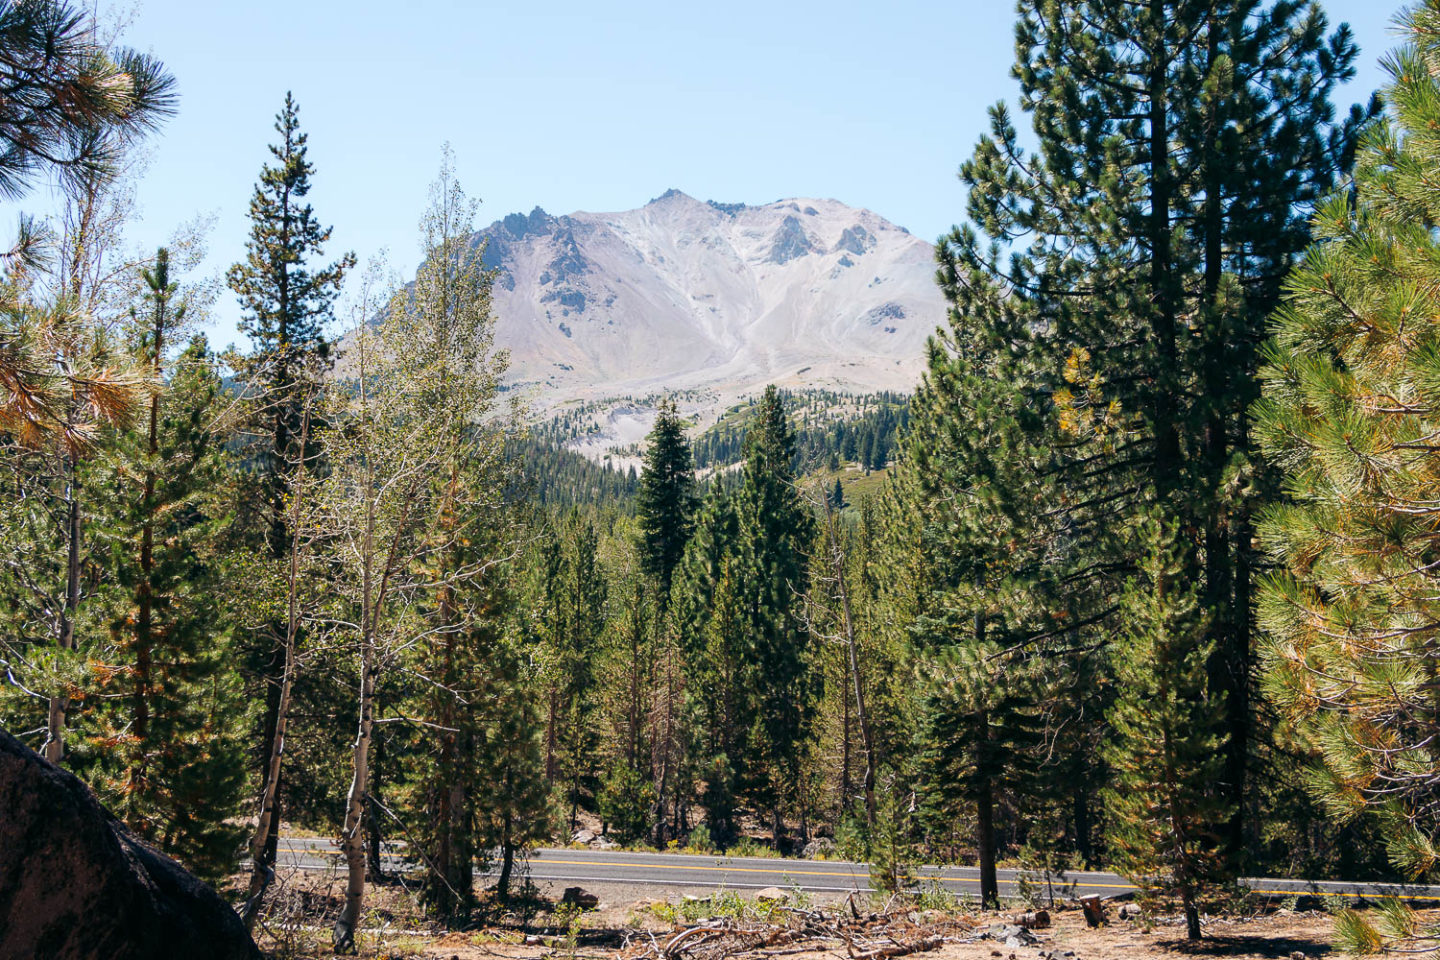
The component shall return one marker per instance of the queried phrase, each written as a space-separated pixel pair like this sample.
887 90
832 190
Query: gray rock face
790 242
76 885
856 240
721 298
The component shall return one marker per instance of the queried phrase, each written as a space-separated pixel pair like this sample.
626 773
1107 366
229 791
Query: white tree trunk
352 835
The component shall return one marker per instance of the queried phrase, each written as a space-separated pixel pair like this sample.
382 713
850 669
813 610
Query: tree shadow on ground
1249 945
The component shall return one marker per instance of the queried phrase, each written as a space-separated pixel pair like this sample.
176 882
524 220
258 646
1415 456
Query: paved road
688 873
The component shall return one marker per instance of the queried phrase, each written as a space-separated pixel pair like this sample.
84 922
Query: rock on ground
76 885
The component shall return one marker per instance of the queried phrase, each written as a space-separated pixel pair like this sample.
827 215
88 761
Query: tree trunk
1082 824
507 857
144 614
1192 914
351 835
264 845
666 745
552 720
440 885
54 747
373 861
1162 269
837 560
985 838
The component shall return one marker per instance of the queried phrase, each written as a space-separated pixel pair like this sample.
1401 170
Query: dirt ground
628 926
1275 937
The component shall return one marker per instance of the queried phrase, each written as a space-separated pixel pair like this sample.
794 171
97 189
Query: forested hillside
1140 577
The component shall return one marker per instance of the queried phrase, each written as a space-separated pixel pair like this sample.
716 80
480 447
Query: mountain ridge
689 295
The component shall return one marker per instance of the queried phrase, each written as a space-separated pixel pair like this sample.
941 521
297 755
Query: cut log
1094 909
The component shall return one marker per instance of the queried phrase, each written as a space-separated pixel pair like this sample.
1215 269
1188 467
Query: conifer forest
1139 577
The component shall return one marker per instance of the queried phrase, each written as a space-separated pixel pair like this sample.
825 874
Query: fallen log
899 949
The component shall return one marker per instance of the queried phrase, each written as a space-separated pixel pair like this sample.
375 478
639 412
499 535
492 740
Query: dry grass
297 925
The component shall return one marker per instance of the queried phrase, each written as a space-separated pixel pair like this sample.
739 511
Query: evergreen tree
982 728
73 108
666 503
629 693
1117 348
286 301
1167 804
773 538
512 798
570 619
473 526
625 800
170 712
723 691
71 102
1349 414
692 735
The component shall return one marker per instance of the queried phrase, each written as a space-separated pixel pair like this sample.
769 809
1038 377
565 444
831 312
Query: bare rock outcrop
76 885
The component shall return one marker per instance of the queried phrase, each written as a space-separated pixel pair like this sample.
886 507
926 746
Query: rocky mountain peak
683 294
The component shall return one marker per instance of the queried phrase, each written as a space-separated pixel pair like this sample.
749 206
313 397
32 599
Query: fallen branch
672 947
899 949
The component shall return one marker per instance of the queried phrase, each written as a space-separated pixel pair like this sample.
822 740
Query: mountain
712 298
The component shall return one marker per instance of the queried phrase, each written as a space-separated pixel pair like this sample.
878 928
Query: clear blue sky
585 106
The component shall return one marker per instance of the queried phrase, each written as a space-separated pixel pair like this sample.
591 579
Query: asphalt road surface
684 873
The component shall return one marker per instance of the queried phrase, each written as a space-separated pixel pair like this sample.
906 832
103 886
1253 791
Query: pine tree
170 713
689 735
71 102
629 691
724 695
473 527
773 538
512 799
1167 804
625 800
1117 350
569 610
73 109
286 301
982 727
666 503
1348 413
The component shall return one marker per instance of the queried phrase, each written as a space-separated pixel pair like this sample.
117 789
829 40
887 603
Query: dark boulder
74 883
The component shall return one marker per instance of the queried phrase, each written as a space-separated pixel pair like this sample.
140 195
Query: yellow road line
717 868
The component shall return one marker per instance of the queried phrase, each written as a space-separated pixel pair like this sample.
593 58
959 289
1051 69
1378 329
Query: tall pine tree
171 714
1349 413
286 301
773 540
1109 301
